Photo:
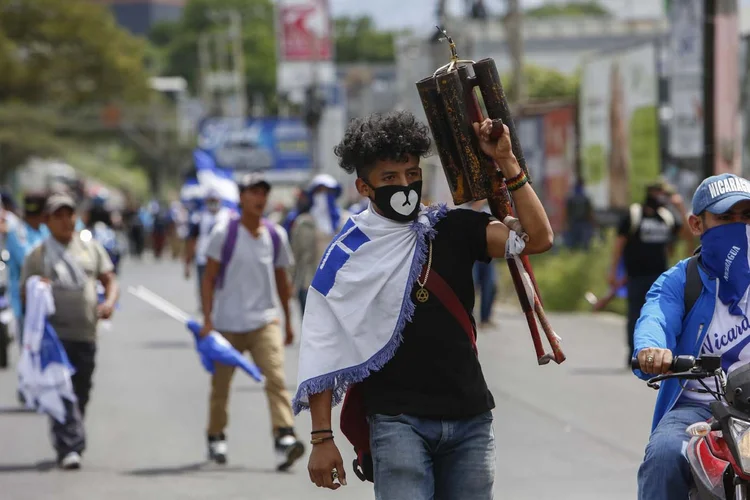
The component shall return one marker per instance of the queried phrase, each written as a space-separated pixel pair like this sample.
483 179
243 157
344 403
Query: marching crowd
387 288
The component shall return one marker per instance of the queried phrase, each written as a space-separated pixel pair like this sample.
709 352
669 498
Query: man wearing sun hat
695 308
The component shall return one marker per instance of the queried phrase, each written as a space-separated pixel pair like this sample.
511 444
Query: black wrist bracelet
322 431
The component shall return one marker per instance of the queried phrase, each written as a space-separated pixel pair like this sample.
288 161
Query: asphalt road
574 431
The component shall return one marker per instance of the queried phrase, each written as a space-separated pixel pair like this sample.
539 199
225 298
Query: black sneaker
217 449
289 449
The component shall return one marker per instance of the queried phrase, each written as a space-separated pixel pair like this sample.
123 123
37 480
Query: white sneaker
71 461
217 451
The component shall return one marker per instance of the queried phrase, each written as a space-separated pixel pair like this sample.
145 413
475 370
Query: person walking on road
73 266
246 269
21 239
199 231
389 314
644 237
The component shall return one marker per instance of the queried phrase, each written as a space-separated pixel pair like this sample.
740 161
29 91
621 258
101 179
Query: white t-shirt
727 335
206 221
249 298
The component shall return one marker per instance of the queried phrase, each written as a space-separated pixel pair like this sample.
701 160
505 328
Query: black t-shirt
435 373
645 252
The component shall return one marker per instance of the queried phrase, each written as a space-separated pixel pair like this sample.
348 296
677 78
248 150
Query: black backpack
693 282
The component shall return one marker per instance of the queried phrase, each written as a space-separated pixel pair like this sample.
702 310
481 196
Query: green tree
358 40
55 58
568 10
68 52
546 84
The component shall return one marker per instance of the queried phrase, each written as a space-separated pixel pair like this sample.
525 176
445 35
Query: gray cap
57 201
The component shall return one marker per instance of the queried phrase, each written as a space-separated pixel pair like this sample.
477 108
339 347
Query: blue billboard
277 144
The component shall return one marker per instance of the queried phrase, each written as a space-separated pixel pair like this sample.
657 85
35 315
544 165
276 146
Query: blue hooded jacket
663 324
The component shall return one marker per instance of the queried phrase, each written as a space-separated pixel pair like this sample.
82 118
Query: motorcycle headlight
740 431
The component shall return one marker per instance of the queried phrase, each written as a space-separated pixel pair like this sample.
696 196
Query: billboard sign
304 30
273 144
686 78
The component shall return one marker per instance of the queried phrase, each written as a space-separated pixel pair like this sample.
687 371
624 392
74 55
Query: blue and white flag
207 177
44 371
221 179
359 301
213 348
191 194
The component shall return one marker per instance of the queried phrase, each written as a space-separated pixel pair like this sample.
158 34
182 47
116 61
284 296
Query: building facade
139 16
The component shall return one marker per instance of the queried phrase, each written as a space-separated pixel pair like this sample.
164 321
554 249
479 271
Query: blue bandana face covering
725 253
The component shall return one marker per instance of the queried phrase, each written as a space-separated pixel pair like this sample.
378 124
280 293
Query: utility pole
238 54
313 105
223 68
513 24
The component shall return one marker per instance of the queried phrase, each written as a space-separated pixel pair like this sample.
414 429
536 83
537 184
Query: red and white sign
304 30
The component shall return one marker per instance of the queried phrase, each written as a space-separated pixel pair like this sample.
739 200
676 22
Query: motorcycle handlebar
679 363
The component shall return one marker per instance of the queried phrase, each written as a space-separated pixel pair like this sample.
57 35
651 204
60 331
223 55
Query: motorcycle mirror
699 429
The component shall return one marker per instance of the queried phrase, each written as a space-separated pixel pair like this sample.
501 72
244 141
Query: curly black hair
392 136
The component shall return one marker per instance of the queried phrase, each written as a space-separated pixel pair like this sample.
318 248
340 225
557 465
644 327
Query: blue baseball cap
719 193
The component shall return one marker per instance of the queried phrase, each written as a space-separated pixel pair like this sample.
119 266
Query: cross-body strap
228 249
445 294
693 283
275 238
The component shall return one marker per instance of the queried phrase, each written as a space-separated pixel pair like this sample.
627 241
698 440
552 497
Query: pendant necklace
422 294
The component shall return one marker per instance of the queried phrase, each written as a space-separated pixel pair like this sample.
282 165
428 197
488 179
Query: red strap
445 294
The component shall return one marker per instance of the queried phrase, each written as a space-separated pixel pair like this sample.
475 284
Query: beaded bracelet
517 182
321 440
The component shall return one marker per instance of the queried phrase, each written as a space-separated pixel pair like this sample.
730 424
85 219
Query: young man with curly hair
371 321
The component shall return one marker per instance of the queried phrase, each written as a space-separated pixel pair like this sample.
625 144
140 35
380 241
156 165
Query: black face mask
654 201
399 203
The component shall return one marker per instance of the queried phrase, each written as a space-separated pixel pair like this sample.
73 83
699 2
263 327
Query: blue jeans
420 459
665 472
484 278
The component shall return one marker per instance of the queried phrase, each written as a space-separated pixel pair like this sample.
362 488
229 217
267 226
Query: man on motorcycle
669 325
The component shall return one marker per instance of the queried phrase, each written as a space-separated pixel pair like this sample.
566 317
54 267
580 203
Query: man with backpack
247 262
644 238
698 307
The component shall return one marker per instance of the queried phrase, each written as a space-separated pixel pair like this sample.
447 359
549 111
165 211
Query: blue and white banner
44 371
257 143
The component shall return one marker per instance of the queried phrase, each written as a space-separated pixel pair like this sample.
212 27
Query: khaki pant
267 352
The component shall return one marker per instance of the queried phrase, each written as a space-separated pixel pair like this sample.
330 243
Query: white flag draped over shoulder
359 301
44 370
